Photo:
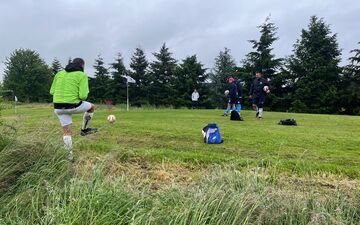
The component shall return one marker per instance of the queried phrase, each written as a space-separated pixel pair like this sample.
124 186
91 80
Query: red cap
231 79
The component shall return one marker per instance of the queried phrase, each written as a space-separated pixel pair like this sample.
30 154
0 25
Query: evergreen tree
314 67
349 92
225 67
190 75
28 76
118 82
100 85
1 99
56 66
1 96
355 61
161 73
262 59
138 66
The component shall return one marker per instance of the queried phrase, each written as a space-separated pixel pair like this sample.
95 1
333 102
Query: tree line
309 80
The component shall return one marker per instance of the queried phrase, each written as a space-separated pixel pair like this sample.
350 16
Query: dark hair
78 61
258 71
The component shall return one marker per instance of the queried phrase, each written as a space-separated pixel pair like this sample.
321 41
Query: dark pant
232 101
259 101
195 104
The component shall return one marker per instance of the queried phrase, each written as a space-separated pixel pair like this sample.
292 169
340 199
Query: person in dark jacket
239 100
258 91
233 96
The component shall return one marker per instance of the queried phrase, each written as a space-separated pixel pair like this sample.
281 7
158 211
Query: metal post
15 101
127 96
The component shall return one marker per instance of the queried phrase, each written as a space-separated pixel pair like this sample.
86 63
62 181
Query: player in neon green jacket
70 89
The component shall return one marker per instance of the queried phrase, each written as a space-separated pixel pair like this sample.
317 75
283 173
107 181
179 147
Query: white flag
16 99
129 79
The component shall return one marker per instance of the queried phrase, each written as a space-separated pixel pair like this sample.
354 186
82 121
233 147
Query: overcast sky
86 28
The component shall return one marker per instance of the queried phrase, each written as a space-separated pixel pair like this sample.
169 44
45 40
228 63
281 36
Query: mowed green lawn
321 143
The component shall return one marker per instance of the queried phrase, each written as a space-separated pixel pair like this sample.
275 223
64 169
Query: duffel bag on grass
288 122
211 134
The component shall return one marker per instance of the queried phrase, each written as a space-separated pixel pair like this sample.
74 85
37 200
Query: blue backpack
211 134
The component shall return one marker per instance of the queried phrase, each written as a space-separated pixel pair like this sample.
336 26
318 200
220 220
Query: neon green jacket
70 87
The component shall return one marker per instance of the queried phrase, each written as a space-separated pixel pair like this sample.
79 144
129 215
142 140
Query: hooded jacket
70 86
239 88
257 86
233 94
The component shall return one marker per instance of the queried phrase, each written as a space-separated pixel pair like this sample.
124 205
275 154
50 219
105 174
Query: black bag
234 115
288 122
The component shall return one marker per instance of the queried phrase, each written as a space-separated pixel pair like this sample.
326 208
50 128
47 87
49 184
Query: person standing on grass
233 96
70 89
239 99
195 99
258 94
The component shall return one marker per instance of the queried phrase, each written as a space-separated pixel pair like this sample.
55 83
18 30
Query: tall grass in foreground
37 186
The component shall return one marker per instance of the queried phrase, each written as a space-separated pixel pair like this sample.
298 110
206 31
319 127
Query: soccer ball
266 89
111 119
226 92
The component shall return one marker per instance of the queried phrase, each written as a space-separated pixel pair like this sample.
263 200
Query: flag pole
128 80
127 95
15 100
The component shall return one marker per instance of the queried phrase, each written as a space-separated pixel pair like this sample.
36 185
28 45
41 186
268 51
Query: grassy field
321 143
152 167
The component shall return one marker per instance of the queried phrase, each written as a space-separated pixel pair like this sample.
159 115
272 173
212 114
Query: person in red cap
233 96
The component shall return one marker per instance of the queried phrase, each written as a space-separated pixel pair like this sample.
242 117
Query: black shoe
224 114
88 131
260 117
257 114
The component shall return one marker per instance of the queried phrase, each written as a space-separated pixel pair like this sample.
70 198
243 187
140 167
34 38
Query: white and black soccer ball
226 93
266 89
111 119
